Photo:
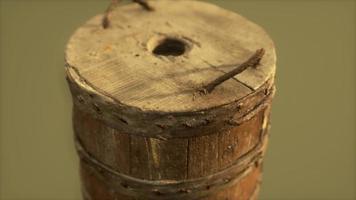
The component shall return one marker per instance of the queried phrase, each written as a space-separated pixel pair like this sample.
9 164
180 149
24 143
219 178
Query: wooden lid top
156 61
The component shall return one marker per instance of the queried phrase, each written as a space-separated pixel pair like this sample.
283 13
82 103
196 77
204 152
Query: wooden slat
243 190
203 155
240 140
102 142
122 152
139 162
156 159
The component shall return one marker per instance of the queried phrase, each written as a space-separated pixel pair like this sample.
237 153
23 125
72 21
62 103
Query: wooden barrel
143 127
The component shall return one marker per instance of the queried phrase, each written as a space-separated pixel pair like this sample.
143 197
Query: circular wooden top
156 61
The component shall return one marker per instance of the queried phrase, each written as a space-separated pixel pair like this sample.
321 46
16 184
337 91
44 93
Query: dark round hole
170 47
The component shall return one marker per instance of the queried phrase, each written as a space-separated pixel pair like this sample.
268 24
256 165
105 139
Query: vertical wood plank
203 154
102 142
139 162
85 128
240 140
169 158
105 144
156 159
122 152
243 190
95 188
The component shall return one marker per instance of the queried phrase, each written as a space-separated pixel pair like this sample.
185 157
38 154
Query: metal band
161 125
174 189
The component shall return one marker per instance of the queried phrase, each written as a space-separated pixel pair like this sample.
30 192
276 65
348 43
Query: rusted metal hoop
172 189
182 125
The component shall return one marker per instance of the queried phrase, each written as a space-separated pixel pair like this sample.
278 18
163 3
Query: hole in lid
170 47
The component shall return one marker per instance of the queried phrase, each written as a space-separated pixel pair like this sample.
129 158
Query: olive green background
312 148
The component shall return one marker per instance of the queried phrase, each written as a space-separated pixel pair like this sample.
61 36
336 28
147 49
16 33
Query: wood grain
142 129
119 61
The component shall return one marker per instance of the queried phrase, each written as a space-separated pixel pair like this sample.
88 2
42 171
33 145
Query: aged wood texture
142 128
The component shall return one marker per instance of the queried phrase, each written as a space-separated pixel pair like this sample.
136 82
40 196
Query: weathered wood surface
142 130
172 160
118 61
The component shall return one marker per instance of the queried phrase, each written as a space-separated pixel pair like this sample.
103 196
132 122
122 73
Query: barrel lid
156 61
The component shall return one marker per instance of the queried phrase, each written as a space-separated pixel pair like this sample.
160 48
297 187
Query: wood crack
222 71
253 61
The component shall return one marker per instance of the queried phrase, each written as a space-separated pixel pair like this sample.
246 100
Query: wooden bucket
146 124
